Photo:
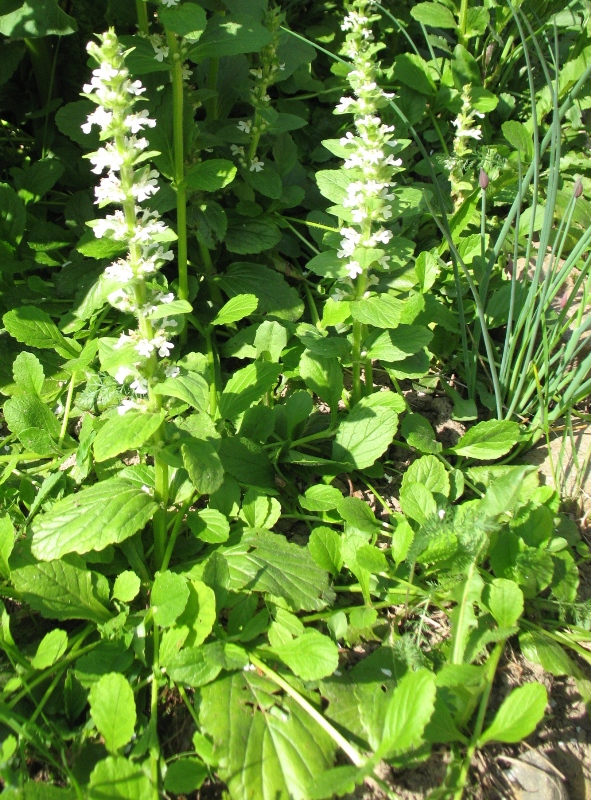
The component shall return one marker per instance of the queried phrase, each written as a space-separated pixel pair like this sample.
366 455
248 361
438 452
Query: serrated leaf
311 656
435 15
518 715
246 386
192 667
261 739
429 472
323 375
504 600
250 236
236 309
365 434
185 776
187 20
28 373
276 297
417 501
191 388
358 514
211 175
26 412
397 344
123 432
325 547
230 36
247 461
381 311
270 339
320 498
408 712
413 71
209 525
112 707
126 587
116 778
91 519
35 19
418 432
488 440
59 590
203 465
34 327
168 598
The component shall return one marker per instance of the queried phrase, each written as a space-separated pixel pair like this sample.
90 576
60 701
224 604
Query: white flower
169 3
120 271
146 185
135 88
258 73
244 125
354 269
126 405
186 72
236 150
135 122
168 323
112 225
172 371
122 374
164 348
119 299
164 298
100 116
256 165
139 386
109 190
383 236
345 104
161 52
106 158
145 348
123 339
358 215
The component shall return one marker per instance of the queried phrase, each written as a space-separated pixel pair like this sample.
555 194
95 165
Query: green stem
142 17
161 496
213 368
174 533
179 163
357 343
67 408
463 21
155 746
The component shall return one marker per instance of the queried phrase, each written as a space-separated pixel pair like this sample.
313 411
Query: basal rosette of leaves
197 591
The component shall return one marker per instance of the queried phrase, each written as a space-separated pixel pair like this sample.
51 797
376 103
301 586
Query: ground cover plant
238 241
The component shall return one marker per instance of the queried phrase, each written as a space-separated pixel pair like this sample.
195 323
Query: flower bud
483 179
578 190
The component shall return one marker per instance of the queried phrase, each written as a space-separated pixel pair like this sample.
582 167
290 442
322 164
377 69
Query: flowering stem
179 163
357 342
142 17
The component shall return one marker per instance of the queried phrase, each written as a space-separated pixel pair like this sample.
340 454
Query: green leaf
328 265
191 388
209 525
323 375
429 472
33 183
398 344
34 327
368 557
118 779
37 18
465 68
276 297
365 434
106 513
247 462
185 775
540 649
210 175
203 465
336 781
112 707
230 36
488 440
418 432
51 648
26 413
267 746
412 70
518 715
519 137
271 338
28 373
192 667
435 15
381 311
311 656
123 432
71 116
59 590
236 309
417 501
171 309
187 20
358 514
325 548
251 236
6 545
504 600
126 587
246 386
266 562
408 712
168 598
333 183
267 181
320 498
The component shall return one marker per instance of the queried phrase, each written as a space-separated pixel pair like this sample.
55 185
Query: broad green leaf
236 309
112 707
488 440
34 327
412 70
116 778
504 600
185 775
37 18
12 211
418 432
540 649
123 432
417 501
168 598
271 338
28 373
381 311
333 183
325 547
266 562
250 236
7 536
518 715
199 615
59 590
429 472
368 557
210 175
427 269
51 648
336 781
190 387
259 510
320 498
365 434
399 343
435 15
276 297
187 20
106 513
465 69
246 387
230 36
408 712
126 587
328 265
209 525
267 746
358 514
26 412
33 183
311 656
192 667
203 465
519 137
171 309
323 376
247 461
